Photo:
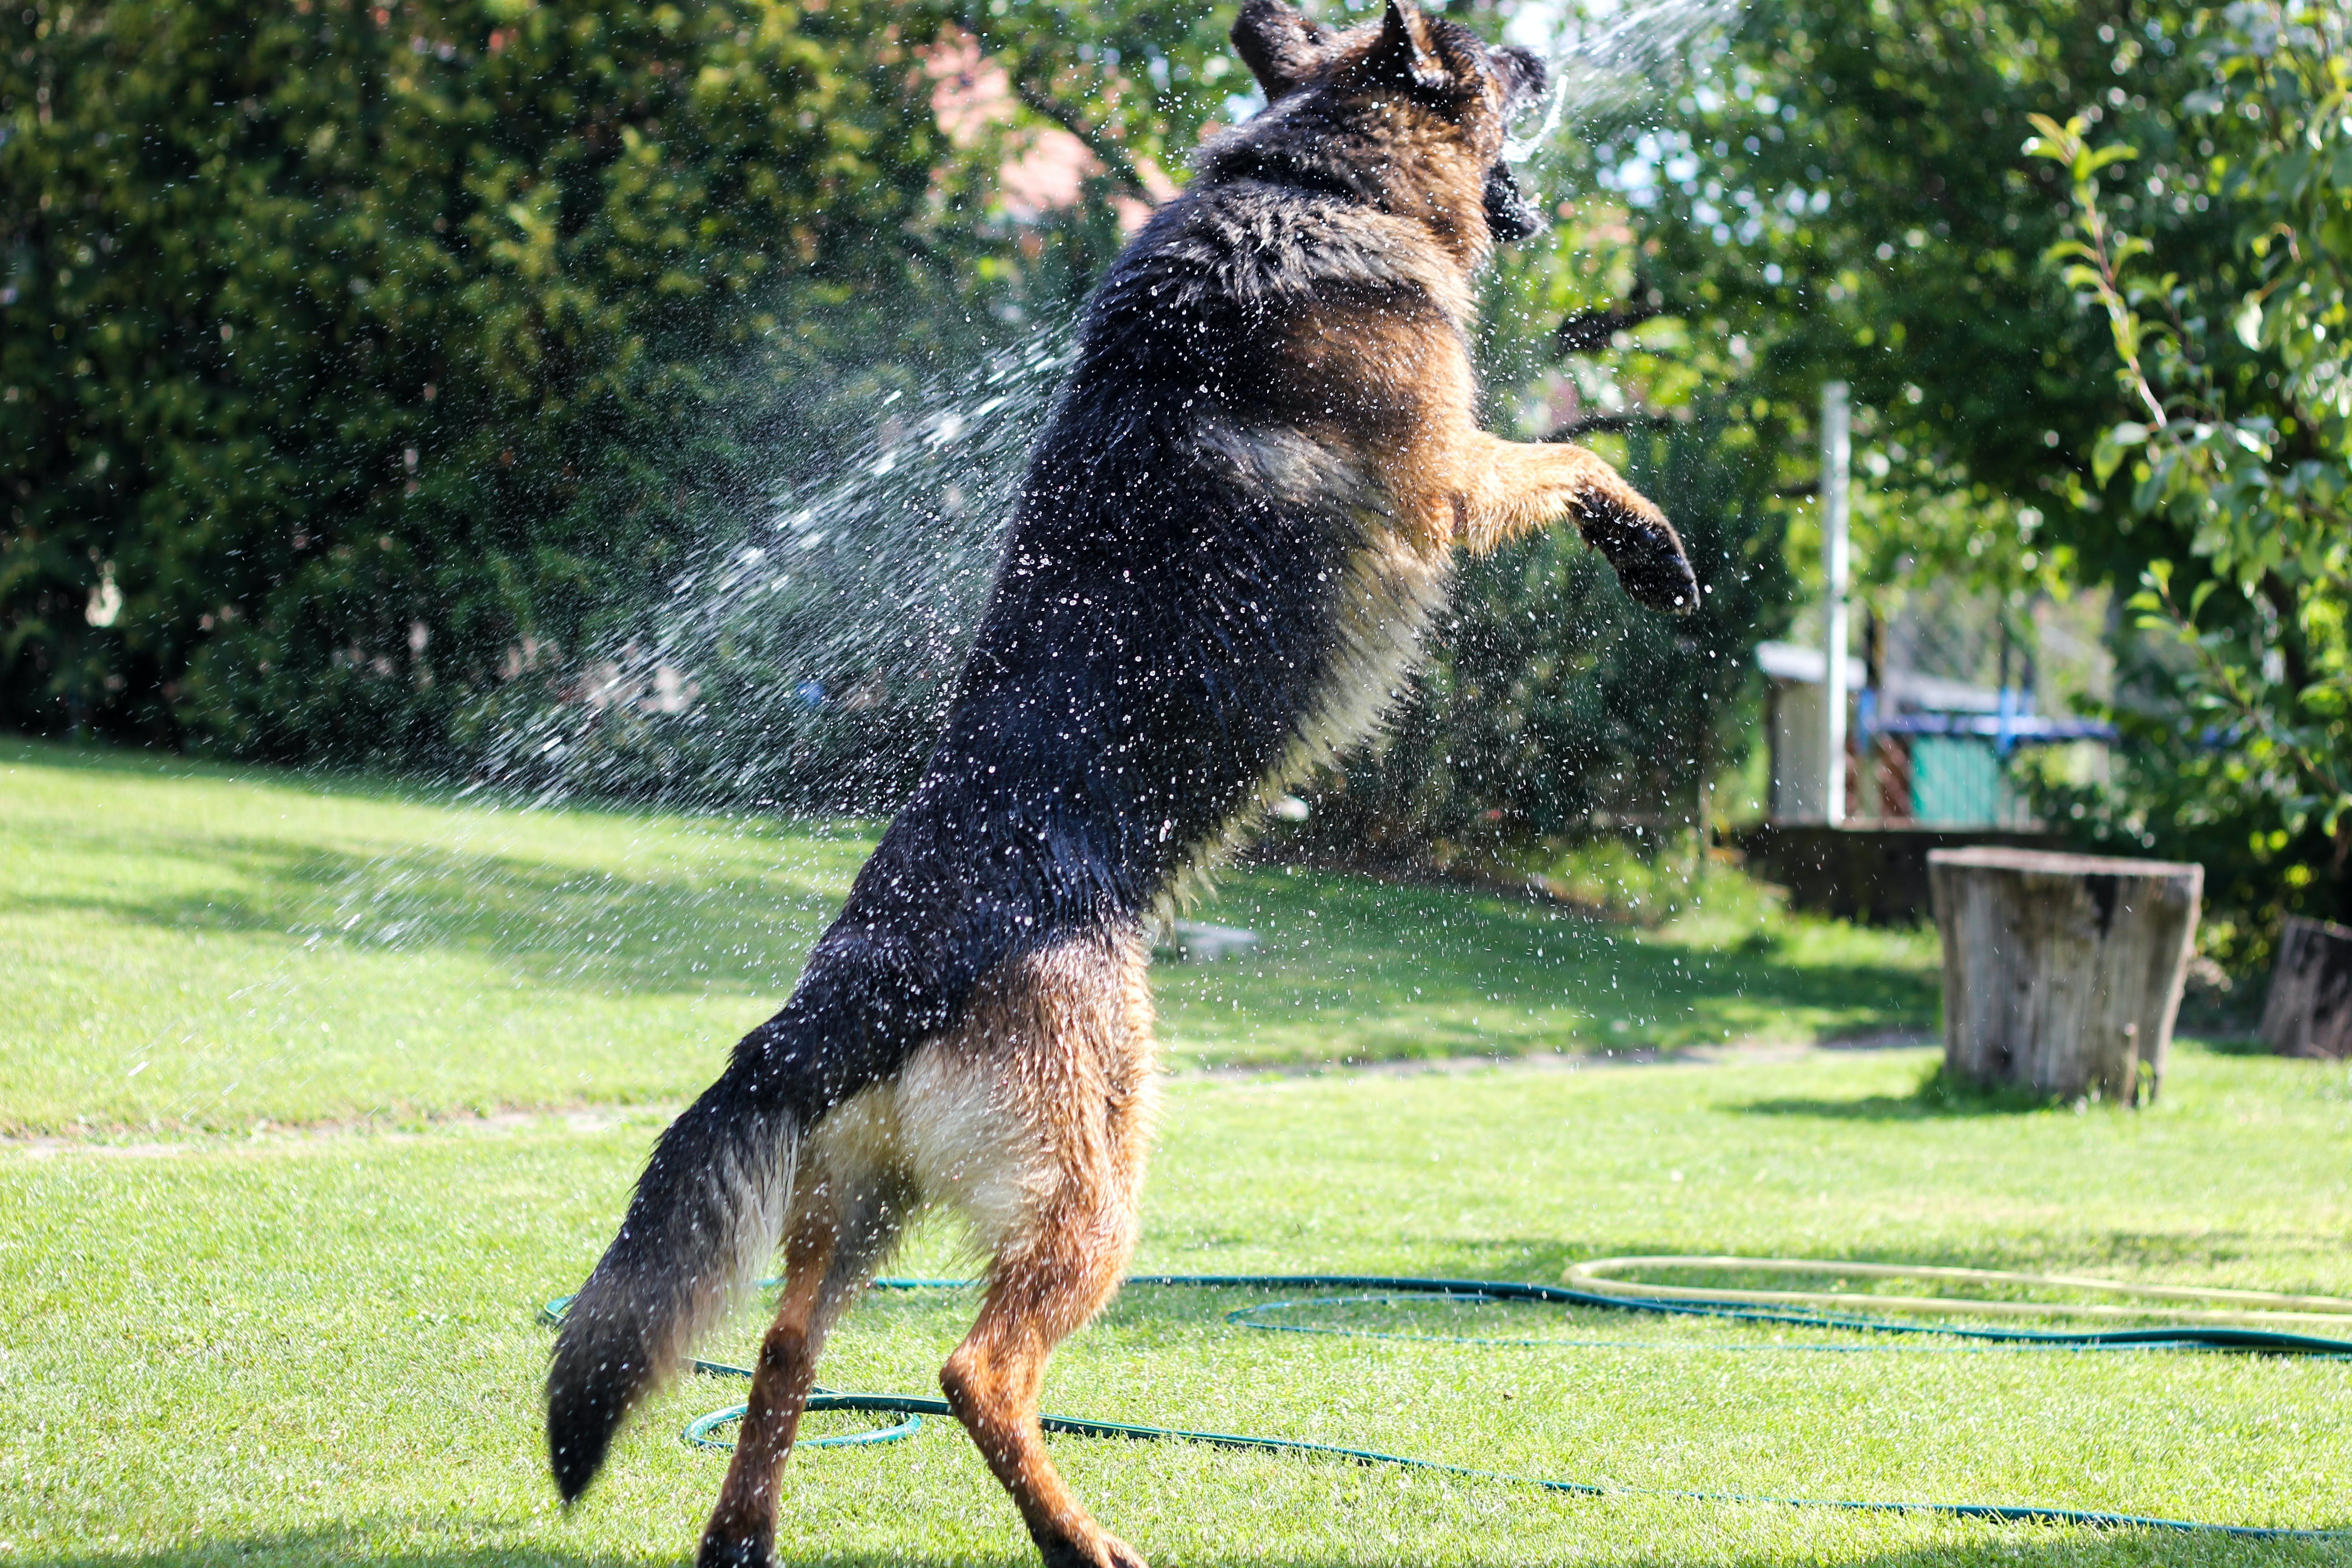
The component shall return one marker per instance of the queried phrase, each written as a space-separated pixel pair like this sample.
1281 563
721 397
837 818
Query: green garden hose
2236 1327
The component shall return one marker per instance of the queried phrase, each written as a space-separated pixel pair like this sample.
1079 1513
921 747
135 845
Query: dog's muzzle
1510 217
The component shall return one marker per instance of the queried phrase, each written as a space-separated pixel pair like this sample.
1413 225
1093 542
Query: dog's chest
1388 593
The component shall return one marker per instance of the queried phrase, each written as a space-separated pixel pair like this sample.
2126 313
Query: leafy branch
2251 458
2235 689
2099 254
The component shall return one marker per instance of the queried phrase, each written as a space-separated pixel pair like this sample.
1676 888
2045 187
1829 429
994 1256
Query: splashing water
803 664
1605 67
809 664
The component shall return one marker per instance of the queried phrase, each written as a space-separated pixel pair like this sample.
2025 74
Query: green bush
2235 431
357 357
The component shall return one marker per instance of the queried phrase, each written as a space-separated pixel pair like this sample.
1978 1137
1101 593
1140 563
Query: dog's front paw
1644 548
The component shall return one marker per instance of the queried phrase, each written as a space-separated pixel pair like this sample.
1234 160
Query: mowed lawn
301 1348
226 1341
192 947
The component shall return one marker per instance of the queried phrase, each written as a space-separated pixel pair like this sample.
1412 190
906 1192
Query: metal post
1837 452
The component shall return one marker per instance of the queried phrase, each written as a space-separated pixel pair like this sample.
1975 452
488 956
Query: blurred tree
371 367
1845 195
1140 84
1854 192
358 356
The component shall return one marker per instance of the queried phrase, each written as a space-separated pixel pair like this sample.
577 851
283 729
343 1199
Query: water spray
1602 69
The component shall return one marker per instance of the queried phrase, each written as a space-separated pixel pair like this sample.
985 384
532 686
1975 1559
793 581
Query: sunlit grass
185 946
294 1350
190 946
256 1345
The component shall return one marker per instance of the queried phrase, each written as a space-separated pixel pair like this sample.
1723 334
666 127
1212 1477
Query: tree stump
2309 1013
1196 941
2063 973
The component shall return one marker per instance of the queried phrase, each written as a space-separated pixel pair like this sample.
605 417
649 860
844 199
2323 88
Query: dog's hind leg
835 1242
1035 1300
1066 1037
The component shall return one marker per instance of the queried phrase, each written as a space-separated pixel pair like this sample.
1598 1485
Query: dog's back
1200 596
1225 551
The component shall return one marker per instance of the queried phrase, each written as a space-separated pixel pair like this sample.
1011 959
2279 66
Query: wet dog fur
1227 546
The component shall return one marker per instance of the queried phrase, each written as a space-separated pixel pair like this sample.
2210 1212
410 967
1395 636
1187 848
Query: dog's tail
706 1213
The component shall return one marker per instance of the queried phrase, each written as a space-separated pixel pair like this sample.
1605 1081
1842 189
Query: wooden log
2063 973
2309 1013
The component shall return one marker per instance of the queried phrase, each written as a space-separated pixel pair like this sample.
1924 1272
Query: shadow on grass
1397 971
138 761
1471 974
1163 1313
563 923
1940 1094
2239 1044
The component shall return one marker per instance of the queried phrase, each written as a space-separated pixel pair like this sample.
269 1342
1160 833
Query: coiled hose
2237 1324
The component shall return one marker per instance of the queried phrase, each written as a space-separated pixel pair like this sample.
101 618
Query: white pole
1837 451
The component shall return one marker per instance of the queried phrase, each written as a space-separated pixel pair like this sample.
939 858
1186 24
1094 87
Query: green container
1957 780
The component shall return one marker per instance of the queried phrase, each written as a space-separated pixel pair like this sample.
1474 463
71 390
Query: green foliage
1140 84
1884 195
2240 385
1845 197
368 355
400 357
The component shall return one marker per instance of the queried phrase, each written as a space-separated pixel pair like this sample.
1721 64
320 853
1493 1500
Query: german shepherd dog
1227 545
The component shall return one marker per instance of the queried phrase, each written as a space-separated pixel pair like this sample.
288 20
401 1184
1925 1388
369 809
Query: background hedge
364 351
502 387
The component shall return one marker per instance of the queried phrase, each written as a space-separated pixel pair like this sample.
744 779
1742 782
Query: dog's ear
1281 48
1401 55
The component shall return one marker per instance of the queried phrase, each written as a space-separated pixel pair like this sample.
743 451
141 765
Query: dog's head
1406 78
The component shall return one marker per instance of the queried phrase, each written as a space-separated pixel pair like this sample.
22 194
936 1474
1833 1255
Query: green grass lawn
221 1343
192 947
294 1349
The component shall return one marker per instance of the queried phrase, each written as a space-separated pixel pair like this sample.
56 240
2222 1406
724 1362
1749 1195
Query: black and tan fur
1228 543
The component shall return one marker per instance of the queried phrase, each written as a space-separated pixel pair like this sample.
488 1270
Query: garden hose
2237 1328
2243 1308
